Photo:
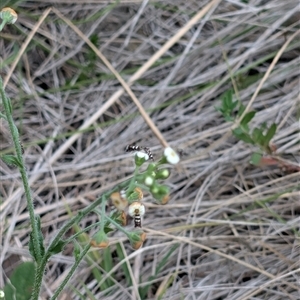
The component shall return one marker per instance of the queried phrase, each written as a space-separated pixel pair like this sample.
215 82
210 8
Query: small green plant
21 282
147 177
260 136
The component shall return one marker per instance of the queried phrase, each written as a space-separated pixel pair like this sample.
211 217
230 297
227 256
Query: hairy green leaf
76 250
40 234
39 243
11 160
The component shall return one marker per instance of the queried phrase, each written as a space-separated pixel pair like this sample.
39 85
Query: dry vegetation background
230 230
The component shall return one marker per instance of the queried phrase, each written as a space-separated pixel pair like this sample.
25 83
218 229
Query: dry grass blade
123 83
267 74
230 230
25 45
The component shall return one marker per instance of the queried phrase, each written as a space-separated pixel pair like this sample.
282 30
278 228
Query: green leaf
241 109
255 159
121 257
228 118
227 99
11 160
257 136
238 133
2 116
234 105
31 247
9 105
21 282
40 234
76 251
220 109
39 242
107 265
248 117
107 229
263 126
270 134
227 106
245 128
58 247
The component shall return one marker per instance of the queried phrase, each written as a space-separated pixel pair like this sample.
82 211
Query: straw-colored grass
230 230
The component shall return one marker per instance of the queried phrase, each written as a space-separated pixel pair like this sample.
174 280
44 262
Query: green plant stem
15 137
133 180
41 268
117 225
102 215
39 272
71 272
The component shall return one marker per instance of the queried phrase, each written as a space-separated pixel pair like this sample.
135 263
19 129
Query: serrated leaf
11 160
242 136
248 117
21 282
270 134
255 159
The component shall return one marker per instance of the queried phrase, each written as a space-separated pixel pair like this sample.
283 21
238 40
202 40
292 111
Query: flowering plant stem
41 268
116 224
71 272
15 137
41 258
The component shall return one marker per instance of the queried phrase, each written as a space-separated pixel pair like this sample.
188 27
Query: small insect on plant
134 148
136 210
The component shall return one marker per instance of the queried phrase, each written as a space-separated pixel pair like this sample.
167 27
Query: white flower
136 209
141 154
171 156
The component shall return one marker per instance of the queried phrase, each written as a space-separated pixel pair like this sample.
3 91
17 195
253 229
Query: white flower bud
171 156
